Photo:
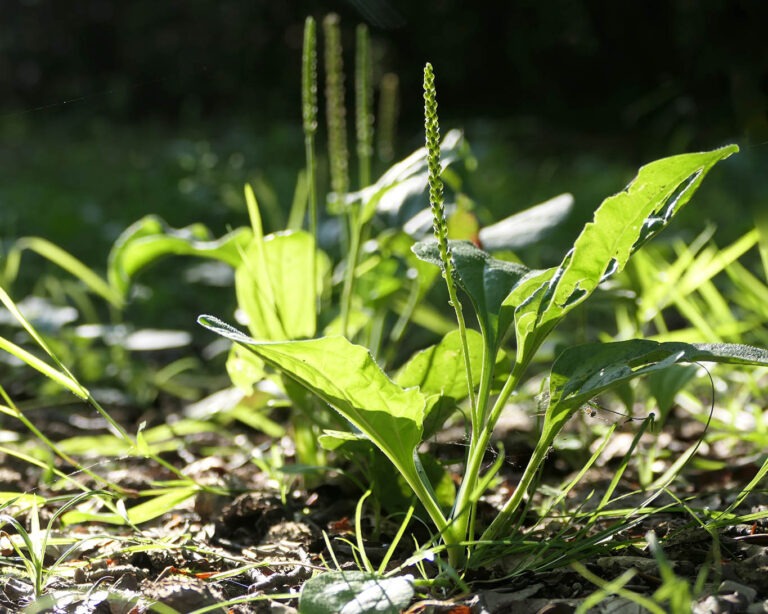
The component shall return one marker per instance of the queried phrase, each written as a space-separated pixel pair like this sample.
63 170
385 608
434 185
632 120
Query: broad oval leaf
274 285
346 377
439 369
355 592
486 280
440 374
150 239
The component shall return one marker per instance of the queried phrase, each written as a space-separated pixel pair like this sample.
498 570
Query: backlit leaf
584 371
346 377
439 369
621 224
274 286
151 239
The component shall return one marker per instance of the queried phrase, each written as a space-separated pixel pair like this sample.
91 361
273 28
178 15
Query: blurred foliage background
669 70
111 110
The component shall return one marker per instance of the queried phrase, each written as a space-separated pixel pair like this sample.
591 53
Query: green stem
478 426
355 232
484 392
466 497
454 301
419 483
504 519
309 146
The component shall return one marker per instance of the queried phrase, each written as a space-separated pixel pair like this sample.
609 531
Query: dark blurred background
111 110
659 70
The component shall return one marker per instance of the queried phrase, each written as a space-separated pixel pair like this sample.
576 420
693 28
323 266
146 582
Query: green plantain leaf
346 377
150 239
355 592
439 369
486 280
439 373
274 286
583 371
621 225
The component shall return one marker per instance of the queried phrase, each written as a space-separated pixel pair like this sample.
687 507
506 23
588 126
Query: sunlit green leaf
21 499
151 239
275 286
346 377
349 380
621 224
145 511
244 368
439 369
60 377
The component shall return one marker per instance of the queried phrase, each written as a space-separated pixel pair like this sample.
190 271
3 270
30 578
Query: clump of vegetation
328 323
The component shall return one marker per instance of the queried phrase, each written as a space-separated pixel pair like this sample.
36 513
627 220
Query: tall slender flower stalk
462 516
335 109
364 134
363 104
387 117
309 123
439 223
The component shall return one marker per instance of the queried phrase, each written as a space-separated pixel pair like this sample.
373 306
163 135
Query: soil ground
261 536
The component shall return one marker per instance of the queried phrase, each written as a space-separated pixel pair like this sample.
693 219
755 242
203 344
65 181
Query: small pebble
747 593
714 605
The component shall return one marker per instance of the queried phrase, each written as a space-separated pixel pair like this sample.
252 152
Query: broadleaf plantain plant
508 299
